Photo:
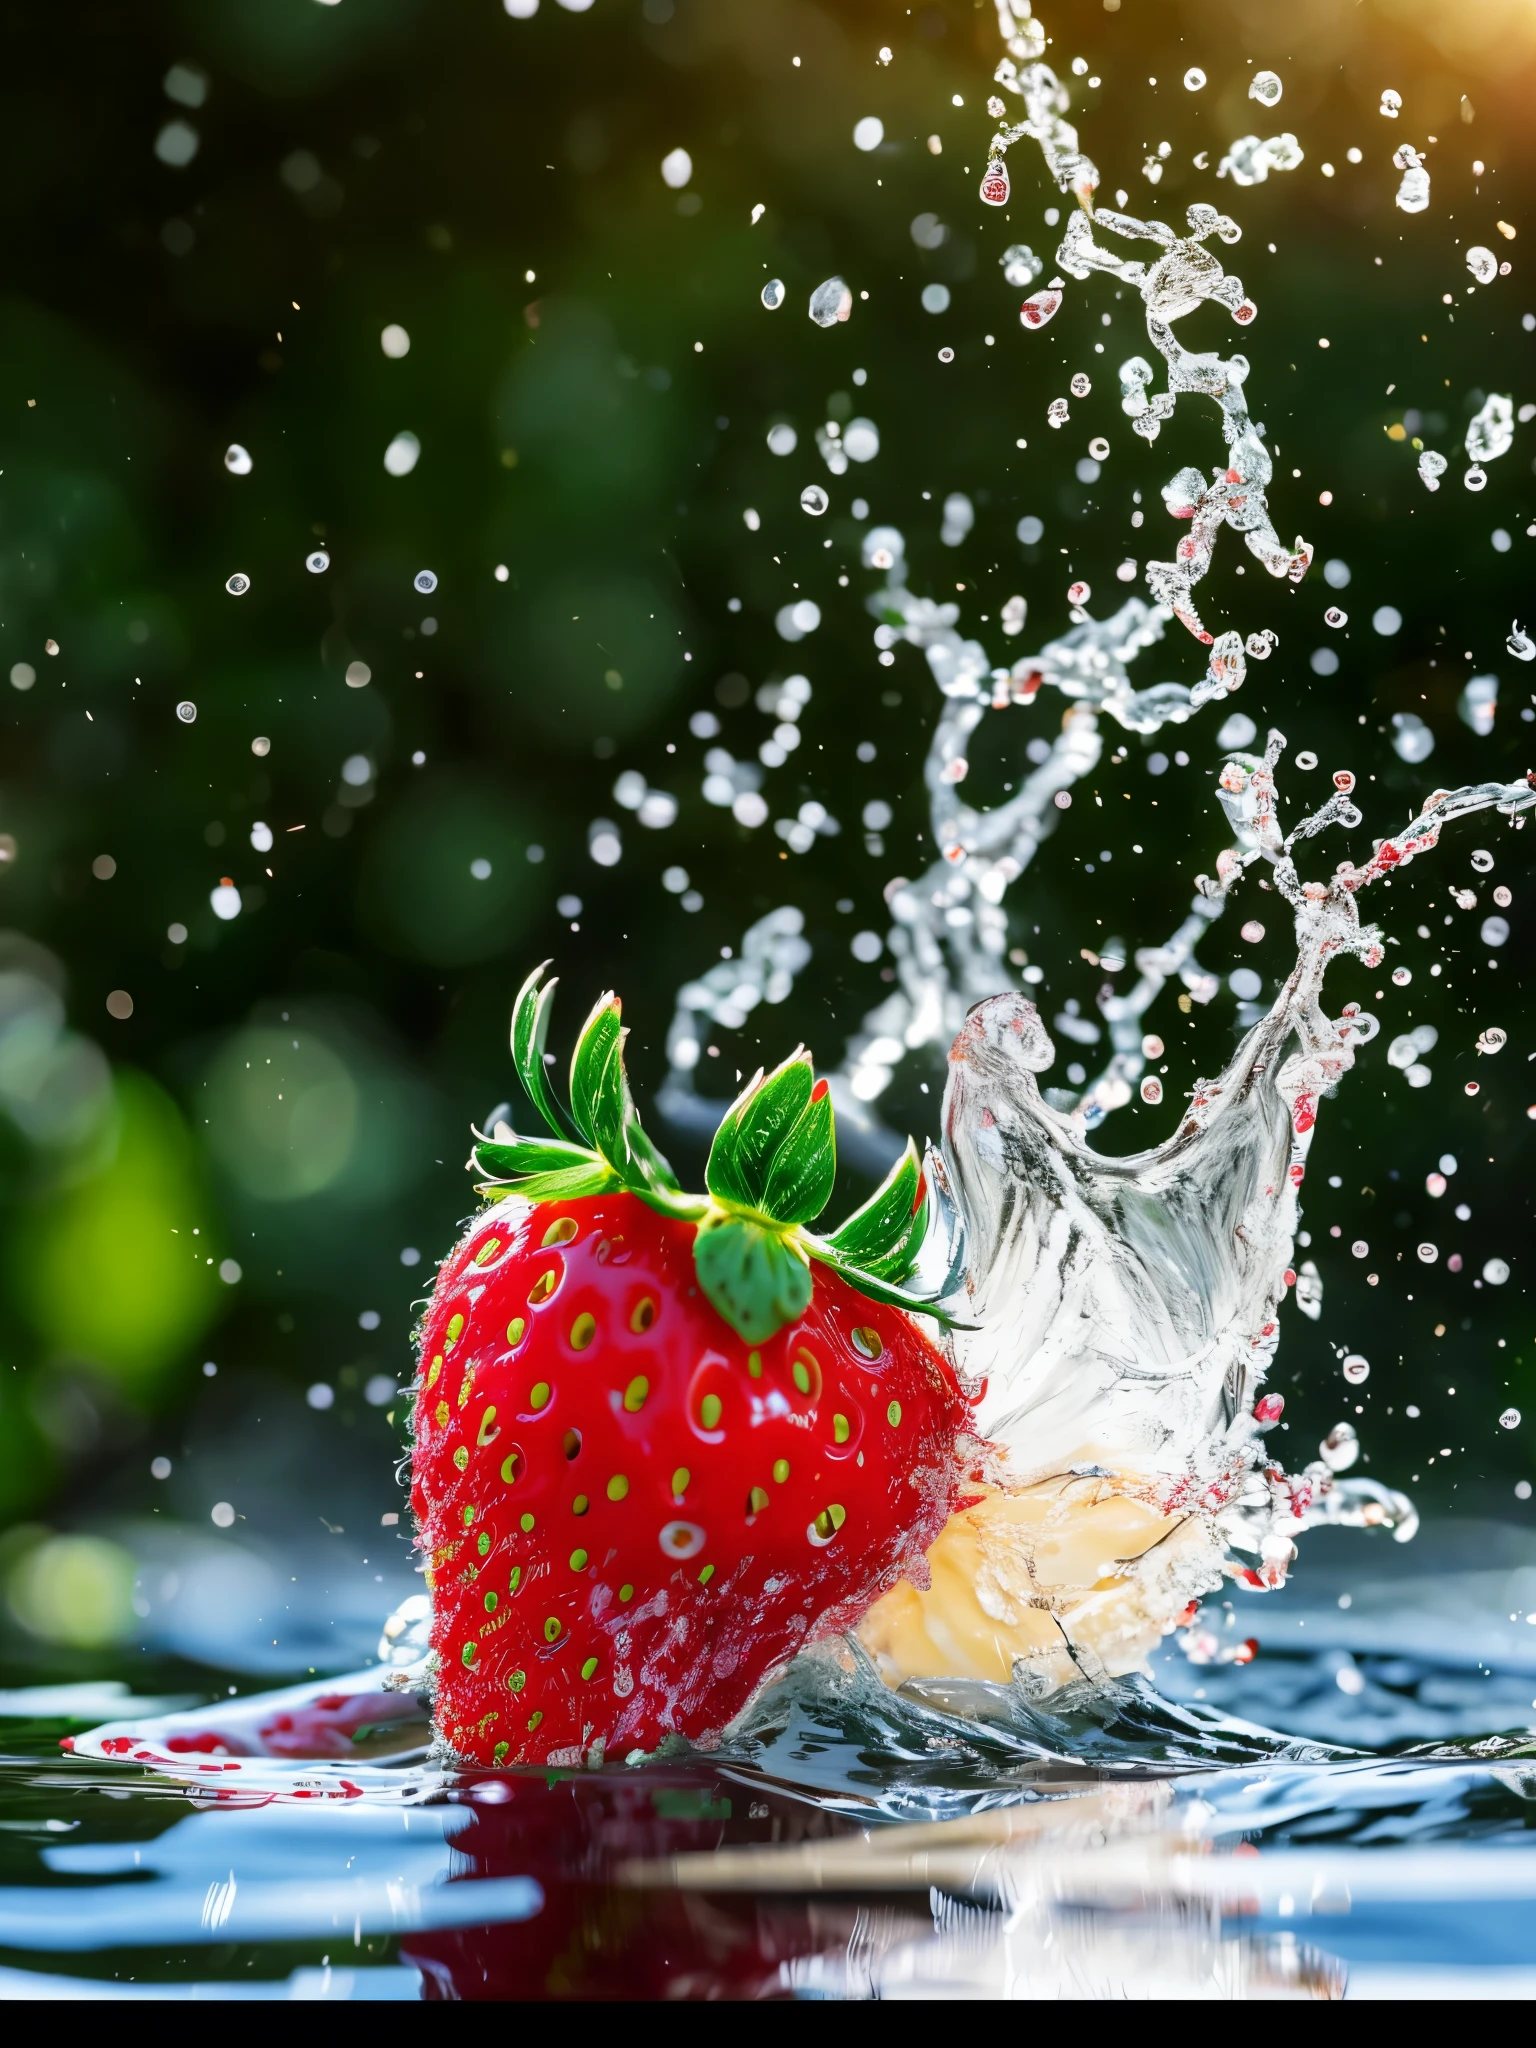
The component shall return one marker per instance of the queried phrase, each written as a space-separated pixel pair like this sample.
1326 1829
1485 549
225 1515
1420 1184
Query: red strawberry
663 1440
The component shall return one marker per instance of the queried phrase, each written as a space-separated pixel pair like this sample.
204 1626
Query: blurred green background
421 264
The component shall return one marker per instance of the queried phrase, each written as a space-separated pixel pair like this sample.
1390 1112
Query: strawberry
662 1440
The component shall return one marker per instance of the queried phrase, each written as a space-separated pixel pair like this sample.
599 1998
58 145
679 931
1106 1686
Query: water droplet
1510 1419
1151 1089
831 302
1040 308
186 711
237 460
813 499
1334 617
318 562
1482 263
1356 1369
1057 412
1401 976
868 133
238 584
1306 759
1194 78
1391 103
1265 87
1496 1272
402 454
774 294
1252 931
424 581
1476 477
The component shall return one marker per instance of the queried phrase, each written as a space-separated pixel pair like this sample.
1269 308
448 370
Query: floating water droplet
1194 78
1063 799
1480 859
1265 87
1098 448
1432 466
1401 976
1334 617
1492 1040
1340 1448
359 675
1510 1419
1078 593
1057 413
1520 643
782 439
831 302
1496 1272
1021 265
774 294
1482 263
1356 1369
869 133
318 562
238 584
225 900
1413 192
935 298
813 499
1502 897
237 460
425 582
1080 385
676 169
994 185
1151 1089
946 355
1412 739
402 454
1435 1185
1491 429
1039 308
1428 1253
1306 759
186 711
1252 931
1391 103
1344 780
1476 477
1495 930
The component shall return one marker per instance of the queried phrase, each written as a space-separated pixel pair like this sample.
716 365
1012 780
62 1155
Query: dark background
591 378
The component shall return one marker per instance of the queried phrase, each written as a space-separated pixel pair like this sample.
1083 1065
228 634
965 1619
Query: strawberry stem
770 1173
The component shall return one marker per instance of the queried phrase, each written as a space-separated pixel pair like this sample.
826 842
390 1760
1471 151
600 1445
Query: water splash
1127 1310
1125 1313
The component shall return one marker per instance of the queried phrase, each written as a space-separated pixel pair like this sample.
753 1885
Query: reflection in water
848 1841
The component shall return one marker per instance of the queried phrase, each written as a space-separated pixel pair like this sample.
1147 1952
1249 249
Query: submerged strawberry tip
663 1440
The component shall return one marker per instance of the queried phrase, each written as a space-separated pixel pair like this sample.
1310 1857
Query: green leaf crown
770 1174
